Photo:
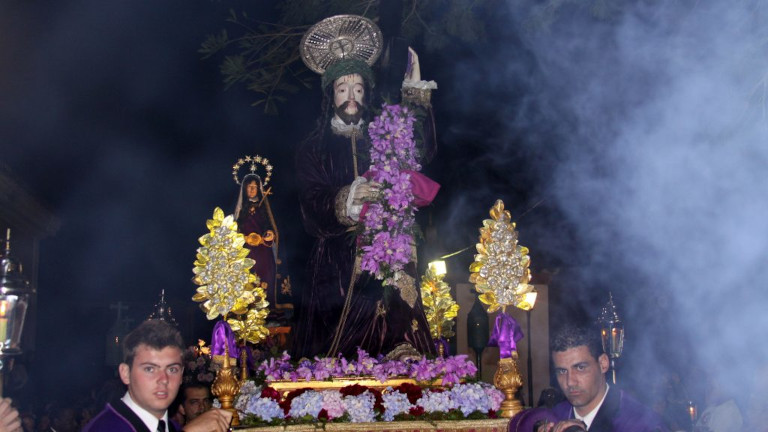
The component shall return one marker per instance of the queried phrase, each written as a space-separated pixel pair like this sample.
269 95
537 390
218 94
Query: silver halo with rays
340 37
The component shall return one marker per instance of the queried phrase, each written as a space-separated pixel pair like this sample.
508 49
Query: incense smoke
661 170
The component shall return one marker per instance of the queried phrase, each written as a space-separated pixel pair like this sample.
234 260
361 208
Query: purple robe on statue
379 319
620 412
254 219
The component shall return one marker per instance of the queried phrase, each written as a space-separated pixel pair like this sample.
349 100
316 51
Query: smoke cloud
660 169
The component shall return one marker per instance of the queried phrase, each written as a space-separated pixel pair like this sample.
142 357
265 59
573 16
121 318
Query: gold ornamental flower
222 269
500 271
250 326
439 306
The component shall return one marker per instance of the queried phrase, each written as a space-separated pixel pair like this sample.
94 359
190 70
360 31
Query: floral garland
359 404
451 369
389 220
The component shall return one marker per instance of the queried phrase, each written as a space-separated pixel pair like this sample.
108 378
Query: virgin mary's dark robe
253 218
378 319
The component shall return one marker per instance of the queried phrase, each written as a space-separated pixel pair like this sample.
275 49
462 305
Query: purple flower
495 396
456 368
395 403
333 403
264 408
470 398
308 403
360 408
436 402
388 223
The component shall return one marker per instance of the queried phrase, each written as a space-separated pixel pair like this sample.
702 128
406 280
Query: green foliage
264 57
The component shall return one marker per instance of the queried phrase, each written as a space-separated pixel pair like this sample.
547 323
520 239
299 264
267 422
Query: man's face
251 190
348 97
581 377
154 378
197 401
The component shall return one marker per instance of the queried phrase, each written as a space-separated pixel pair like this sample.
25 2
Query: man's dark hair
156 334
571 336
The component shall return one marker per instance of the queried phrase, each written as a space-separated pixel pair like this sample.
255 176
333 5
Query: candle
692 411
4 336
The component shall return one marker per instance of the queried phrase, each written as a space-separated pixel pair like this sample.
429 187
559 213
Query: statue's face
348 97
252 189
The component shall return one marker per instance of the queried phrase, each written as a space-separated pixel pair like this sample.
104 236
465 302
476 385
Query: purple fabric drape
444 343
223 336
505 335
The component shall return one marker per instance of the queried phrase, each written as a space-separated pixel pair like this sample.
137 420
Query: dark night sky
625 129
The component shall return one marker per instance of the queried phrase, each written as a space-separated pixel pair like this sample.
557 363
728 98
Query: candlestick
4 336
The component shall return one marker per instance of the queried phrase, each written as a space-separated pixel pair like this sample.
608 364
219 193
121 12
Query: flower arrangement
450 370
388 221
197 364
359 404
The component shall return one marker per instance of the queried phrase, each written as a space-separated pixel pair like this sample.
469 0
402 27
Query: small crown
253 163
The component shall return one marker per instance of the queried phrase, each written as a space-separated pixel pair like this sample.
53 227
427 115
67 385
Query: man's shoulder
563 410
527 420
108 420
117 417
633 416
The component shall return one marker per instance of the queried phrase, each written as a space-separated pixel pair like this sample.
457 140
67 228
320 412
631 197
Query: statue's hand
413 71
365 192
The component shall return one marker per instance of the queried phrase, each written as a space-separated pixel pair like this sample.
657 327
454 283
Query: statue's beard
341 112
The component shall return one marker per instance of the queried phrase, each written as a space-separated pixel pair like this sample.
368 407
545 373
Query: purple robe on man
118 417
620 412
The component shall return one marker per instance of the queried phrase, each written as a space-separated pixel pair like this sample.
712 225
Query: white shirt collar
590 417
340 128
146 417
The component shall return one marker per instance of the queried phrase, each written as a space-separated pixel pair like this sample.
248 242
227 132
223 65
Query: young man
152 370
580 366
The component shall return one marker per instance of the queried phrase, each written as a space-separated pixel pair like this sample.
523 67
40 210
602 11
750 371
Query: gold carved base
507 379
285 387
225 387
